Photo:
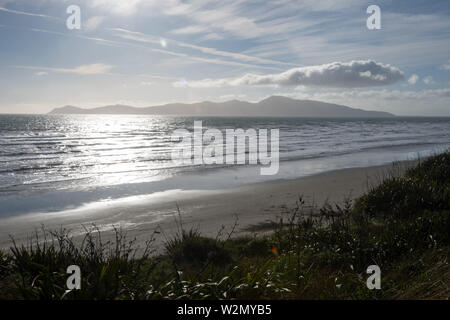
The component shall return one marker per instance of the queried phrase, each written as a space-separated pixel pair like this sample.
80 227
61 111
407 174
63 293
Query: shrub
257 247
435 169
426 187
109 269
189 248
396 197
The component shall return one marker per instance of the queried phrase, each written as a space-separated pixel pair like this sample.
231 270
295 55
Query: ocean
51 163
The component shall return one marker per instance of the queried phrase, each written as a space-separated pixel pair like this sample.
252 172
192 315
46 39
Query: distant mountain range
275 106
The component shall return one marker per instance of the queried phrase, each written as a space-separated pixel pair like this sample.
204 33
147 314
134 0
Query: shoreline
96 198
208 211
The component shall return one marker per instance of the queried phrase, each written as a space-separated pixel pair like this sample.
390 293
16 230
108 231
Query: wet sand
208 211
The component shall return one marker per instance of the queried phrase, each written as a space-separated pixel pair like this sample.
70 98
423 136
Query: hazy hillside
275 106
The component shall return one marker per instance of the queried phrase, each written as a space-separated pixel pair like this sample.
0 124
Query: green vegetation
402 226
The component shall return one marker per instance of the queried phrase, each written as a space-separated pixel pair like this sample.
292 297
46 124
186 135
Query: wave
48 151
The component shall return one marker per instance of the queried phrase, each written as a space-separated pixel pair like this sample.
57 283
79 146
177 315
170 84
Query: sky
152 52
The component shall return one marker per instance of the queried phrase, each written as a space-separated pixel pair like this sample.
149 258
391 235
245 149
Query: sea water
49 163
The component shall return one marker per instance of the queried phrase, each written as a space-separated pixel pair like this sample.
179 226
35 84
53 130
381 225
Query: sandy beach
208 211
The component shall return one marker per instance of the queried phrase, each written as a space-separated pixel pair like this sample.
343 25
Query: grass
402 225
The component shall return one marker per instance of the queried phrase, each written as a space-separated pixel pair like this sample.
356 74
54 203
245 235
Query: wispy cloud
146 38
93 23
351 74
89 69
413 79
95 39
428 80
383 94
156 41
121 7
190 30
446 66
29 14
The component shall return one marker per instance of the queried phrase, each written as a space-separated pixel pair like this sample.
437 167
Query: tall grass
109 269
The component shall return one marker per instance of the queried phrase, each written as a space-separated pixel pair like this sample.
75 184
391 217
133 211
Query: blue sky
149 52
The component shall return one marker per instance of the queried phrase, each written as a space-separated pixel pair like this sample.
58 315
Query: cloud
211 36
428 80
121 7
95 39
374 95
351 74
92 23
190 30
413 79
96 68
89 69
147 38
446 66
29 14
232 96
134 36
239 19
